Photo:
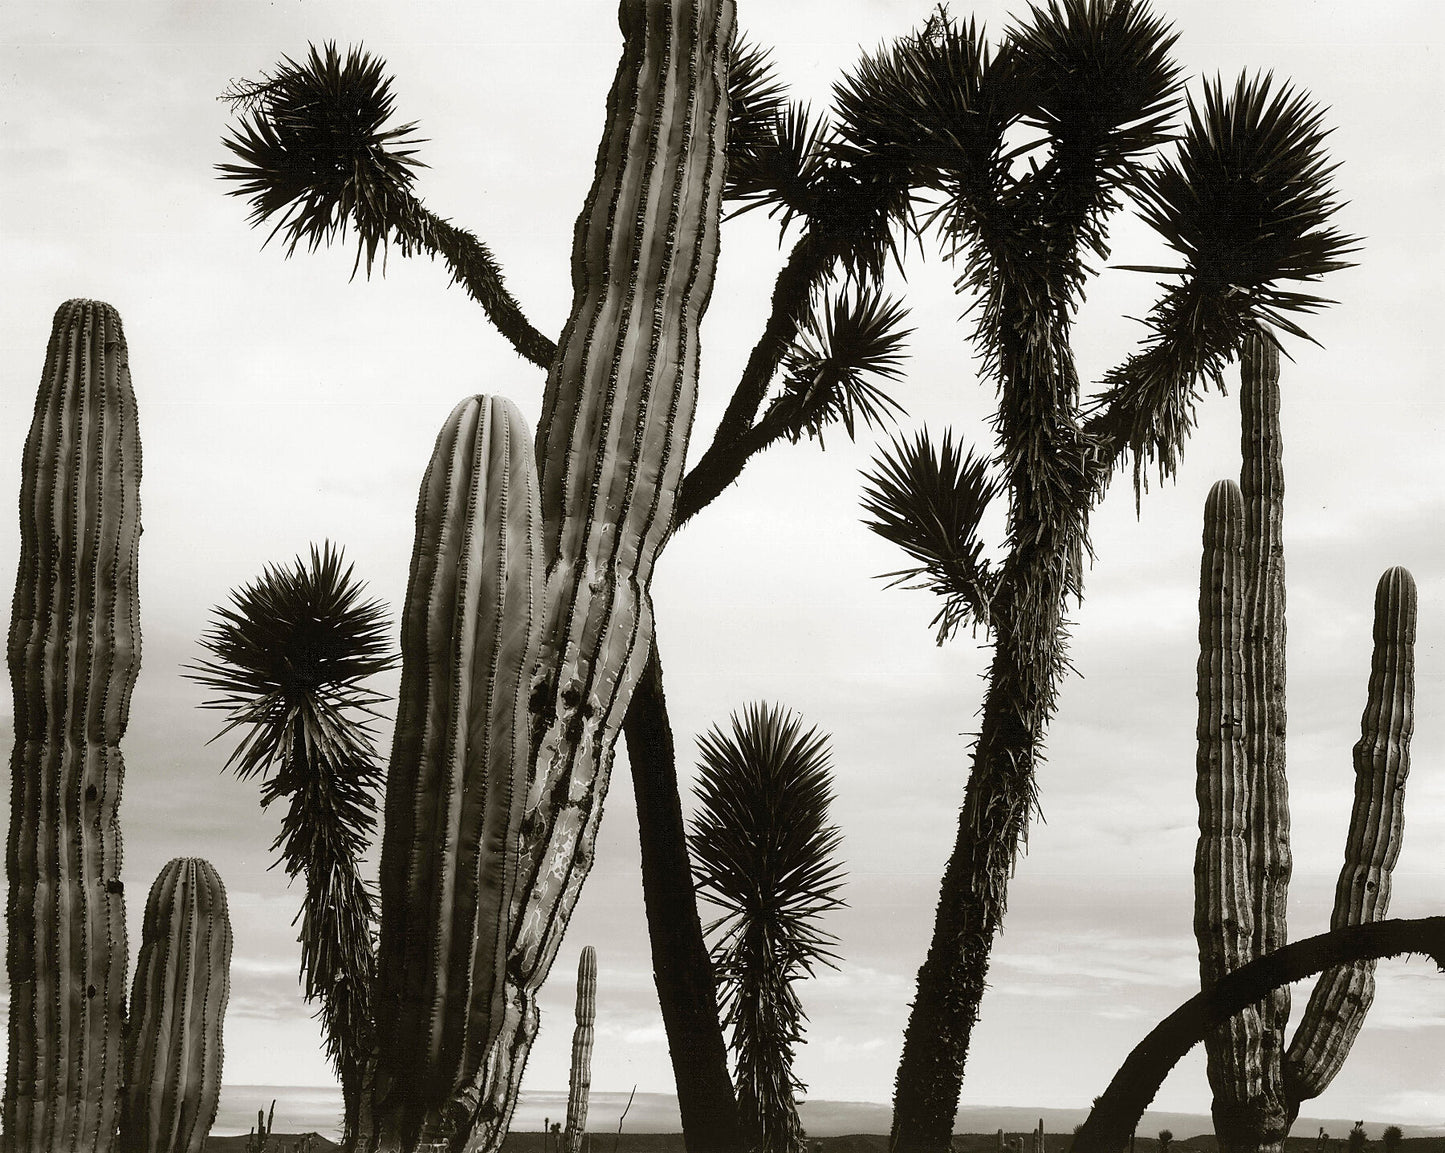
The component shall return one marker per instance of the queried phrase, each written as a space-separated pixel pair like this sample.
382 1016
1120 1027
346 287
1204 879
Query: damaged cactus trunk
74 653
1242 861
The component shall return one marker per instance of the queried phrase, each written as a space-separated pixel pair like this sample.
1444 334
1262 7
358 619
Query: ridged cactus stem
1342 995
457 781
1265 1123
1223 883
74 652
174 1045
617 412
580 1082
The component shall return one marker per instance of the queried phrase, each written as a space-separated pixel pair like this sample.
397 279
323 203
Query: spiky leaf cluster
756 98
930 500
837 371
316 151
289 658
764 852
1247 204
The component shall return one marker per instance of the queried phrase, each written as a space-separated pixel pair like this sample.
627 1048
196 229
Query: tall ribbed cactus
177 1012
457 781
1242 863
580 1082
616 416
74 652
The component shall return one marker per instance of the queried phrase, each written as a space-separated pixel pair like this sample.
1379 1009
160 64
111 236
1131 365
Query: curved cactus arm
457 780
1118 1110
1342 996
1223 892
579 1083
1262 484
74 651
616 417
174 1042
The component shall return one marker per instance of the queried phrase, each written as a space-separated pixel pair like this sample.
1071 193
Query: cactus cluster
78 1076
528 617
1242 861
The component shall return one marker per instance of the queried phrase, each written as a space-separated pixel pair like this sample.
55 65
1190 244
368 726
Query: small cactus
174 1044
580 1081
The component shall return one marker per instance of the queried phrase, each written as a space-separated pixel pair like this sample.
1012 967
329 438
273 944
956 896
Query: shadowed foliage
764 852
289 658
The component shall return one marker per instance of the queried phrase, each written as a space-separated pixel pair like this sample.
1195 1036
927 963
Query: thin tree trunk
1118 1110
681 966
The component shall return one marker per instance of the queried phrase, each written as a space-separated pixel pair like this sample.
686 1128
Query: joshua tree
317 156
1244 203
290 657
1166 1140
764 852
1391 1138
1357 1138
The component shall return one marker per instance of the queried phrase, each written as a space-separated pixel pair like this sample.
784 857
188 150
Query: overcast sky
283 404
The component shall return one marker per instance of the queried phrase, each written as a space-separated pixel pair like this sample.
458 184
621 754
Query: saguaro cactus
74 653
174 1043
580 1081
457 783
1242 862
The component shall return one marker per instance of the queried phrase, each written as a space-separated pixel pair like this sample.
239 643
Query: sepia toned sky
285 402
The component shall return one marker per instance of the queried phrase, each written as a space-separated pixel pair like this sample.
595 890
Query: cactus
457 781
177 1012
1342 995
74 653
616 415
1242 861
260 1135
580 1080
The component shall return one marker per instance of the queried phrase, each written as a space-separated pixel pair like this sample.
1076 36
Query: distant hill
300 1109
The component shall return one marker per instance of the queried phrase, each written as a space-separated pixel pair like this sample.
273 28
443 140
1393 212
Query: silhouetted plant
764 853
290 655
1391 1138
1024 151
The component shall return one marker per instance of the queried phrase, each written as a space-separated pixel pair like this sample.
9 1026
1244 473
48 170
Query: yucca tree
1244 201
290 656
318 158
766 855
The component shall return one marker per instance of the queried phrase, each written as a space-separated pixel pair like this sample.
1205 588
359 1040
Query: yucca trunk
74 653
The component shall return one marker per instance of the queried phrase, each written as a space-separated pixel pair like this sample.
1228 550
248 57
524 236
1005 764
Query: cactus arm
74 652
1342 996
1117 1111
616 417
1262 485
580 1080
1223 894
174 1044
457 779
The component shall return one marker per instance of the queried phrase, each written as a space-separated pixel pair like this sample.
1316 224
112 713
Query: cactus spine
580 1081
457 780
74 653
1242 862
177 1012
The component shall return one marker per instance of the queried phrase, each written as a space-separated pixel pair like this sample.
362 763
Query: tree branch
1117 1112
